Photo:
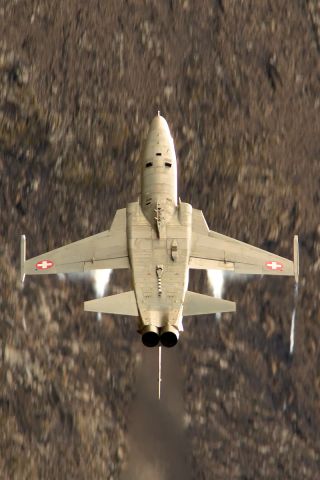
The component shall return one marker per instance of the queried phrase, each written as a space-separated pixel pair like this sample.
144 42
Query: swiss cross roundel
274 265
44 265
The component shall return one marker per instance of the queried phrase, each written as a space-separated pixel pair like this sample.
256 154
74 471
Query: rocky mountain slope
238 83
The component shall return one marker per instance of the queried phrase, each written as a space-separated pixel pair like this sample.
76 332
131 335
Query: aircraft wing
213 250
105 250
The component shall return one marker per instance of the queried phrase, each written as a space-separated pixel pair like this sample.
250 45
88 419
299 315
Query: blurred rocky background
239 84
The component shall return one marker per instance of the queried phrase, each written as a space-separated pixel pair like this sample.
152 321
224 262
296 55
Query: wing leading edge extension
213 250
105 250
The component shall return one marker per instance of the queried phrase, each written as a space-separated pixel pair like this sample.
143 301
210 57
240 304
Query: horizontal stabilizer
120 304
198 304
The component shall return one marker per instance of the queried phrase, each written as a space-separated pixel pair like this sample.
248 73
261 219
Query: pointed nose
158 168
159 141
159 123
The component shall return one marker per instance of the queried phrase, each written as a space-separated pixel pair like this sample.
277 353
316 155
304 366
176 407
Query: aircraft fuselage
159 236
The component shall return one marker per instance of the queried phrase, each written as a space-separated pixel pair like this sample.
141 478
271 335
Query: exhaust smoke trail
157 445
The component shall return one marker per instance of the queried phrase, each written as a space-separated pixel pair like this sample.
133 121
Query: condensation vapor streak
293 318
101 280
217 282
100 277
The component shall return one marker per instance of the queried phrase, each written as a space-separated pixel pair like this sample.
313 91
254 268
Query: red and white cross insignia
44 265
274 265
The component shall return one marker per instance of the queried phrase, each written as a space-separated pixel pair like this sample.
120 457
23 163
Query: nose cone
158 170
159 123
159 140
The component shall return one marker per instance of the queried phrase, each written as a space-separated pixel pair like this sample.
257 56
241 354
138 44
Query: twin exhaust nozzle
168 336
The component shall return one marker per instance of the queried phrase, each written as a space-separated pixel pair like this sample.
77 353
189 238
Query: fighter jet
159 238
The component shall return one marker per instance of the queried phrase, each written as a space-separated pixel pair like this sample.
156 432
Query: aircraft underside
159 238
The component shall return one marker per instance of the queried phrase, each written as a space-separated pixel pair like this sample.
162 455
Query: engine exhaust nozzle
150 336
169 336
